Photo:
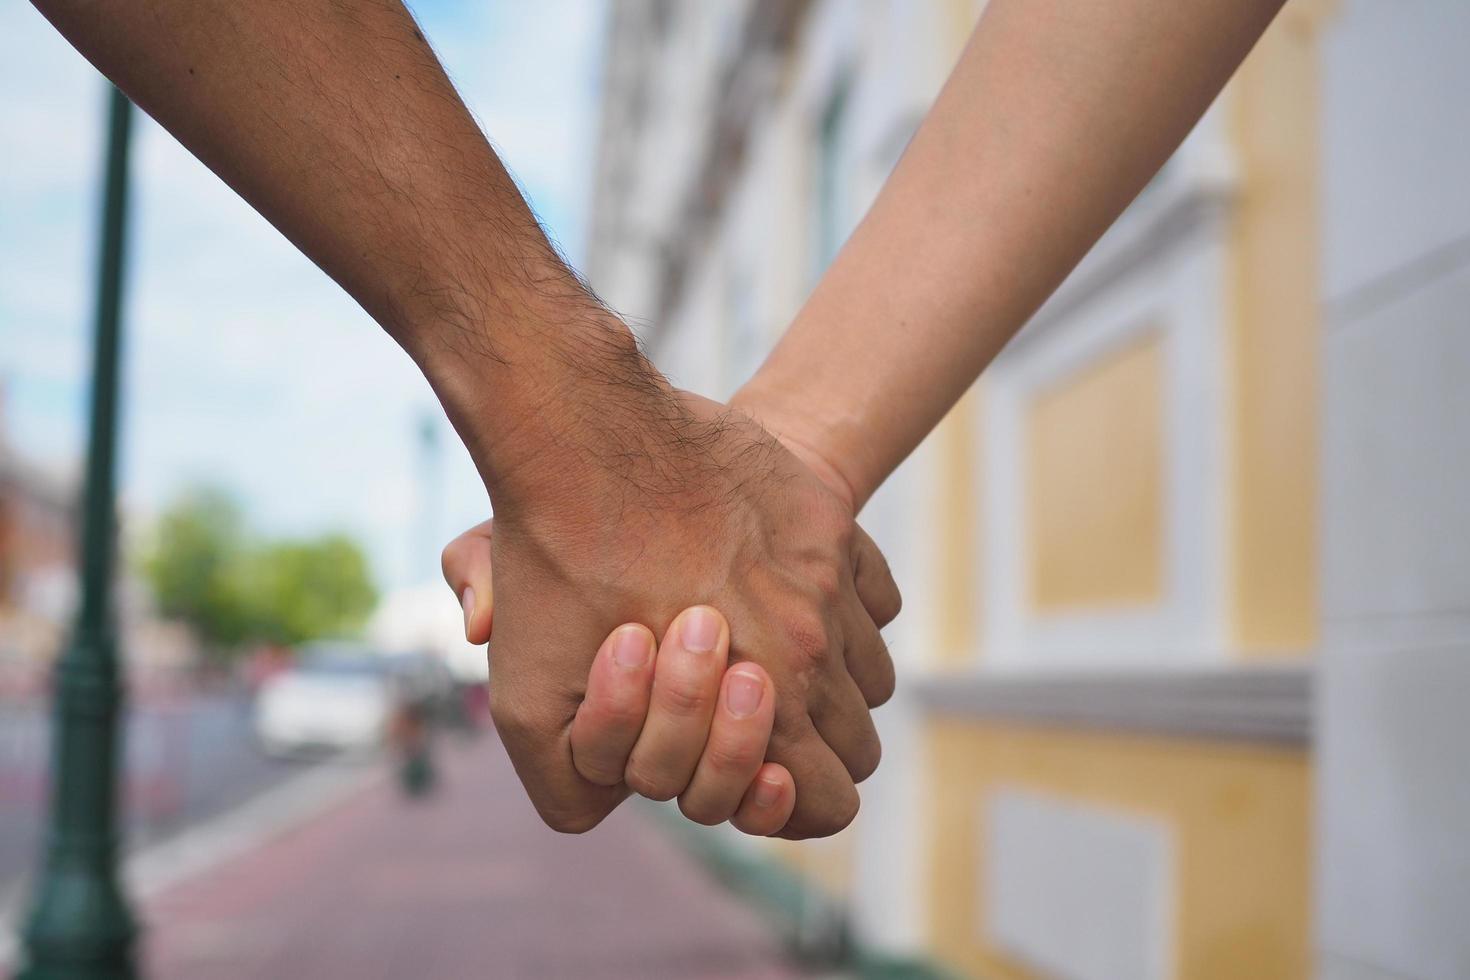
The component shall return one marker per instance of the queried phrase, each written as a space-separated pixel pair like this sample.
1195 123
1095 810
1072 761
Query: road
188 758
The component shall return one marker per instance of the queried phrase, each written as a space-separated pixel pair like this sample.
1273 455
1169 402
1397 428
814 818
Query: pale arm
1055 117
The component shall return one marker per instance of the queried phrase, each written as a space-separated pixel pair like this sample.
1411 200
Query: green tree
188 565
207 568
293 591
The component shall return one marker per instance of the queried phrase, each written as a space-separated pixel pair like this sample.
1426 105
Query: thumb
466 565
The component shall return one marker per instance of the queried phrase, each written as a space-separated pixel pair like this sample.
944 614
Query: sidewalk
466 884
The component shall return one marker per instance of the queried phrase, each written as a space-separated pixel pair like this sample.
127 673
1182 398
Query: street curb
207 845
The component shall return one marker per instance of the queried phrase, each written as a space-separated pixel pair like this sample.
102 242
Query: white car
331 700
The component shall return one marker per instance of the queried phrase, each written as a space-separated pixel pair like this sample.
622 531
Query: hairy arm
336 122
1055 117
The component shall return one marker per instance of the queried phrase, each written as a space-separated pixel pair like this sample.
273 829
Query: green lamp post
80 926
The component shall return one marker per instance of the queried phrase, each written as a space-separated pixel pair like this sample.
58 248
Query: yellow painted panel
1274 338
1094 484
1239 814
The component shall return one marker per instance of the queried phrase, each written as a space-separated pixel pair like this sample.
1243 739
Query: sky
245 367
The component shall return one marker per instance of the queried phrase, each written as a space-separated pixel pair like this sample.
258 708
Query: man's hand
686 500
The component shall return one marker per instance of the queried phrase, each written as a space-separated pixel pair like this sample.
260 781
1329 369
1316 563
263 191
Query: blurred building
1187 590
37 551
38 580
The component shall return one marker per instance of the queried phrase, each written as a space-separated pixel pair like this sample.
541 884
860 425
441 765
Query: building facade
1161 561
37 551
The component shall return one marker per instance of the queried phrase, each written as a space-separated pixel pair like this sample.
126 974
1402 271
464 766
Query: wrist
813 436
541 401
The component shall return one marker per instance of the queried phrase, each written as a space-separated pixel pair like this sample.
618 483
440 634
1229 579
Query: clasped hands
754 706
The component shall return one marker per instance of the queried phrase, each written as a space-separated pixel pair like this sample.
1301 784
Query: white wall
1393 878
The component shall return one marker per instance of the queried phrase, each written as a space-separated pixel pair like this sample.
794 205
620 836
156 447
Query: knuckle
866 759
682 699
846 814
701 811
753 826
570 813
882 689
840 816
642 780
875 675
601 772
598 766
810 635
834 817
826 579
571 821
616 714
887 606
450 559
510 718
733 757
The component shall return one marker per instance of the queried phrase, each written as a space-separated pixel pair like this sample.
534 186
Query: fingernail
467 600
743 694
631 647
766 793
700 630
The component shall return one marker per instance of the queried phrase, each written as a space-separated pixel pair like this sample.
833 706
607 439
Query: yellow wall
1273 338
1240 816
1094 483
958 578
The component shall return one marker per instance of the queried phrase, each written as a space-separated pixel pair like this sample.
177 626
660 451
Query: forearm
1055 117
336 122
